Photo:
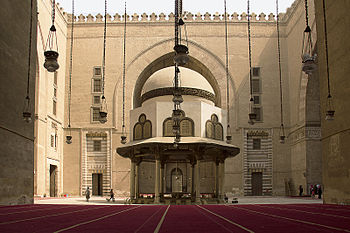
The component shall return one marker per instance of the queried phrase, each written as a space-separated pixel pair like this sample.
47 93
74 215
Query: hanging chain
176 22
250 53
104 51
53 11
226 68
124 54
306 14
326 45
30 46
279 61
70 66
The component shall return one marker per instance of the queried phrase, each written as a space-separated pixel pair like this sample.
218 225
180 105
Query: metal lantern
181 56
282 135
69 139
103 110
308 59
51 63
252 115
308 63
330 109
123 139
27 116
228 135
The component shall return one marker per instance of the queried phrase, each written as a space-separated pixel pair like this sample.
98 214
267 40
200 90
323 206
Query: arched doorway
176 180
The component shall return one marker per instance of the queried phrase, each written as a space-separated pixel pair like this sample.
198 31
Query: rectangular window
97 145
256 144
97 99
256 99
257 111
97 85
54 107
56 141
256 71
52 140
256 86
95 114
97 71
55 78
55 92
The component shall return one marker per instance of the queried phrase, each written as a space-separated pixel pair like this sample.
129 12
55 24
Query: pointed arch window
214 129
186 127
143 128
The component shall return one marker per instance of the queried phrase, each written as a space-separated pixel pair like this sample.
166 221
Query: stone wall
16 136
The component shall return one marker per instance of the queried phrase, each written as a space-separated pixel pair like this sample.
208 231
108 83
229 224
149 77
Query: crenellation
144 17
99 18
188 16
117 17
153 17
127 17
216 16
253 17
262 17
198 17
90 18
207 16
244 16
162 17
81 18
135 17
234 16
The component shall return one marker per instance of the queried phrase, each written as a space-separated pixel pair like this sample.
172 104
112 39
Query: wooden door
257 183
53 182
97 184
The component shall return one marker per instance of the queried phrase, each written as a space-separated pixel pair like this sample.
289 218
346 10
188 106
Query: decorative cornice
184 91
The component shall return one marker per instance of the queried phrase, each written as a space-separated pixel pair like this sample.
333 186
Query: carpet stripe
148 219
161 220
97 219
303 211
217 215
53 215
292 219
42 209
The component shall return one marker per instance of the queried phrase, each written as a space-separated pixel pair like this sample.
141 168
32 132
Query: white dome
165 78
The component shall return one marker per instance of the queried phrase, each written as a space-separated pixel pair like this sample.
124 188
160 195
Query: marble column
137 170
198 182
132 180
221 179
162 177
217 179
157 181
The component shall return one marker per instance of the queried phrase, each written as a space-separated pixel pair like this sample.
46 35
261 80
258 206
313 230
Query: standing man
87 194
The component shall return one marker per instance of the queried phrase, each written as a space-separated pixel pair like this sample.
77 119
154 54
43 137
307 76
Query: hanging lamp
103 109
69 136
181 50
123 137
252 114
282 132
330 112
228 129
51 47
308 59
27 115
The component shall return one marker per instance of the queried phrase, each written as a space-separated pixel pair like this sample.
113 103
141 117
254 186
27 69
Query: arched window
186 127
143 128
214 129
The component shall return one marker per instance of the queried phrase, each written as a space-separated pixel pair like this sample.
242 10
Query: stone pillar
157 179
217 178
192 180
162 177
198 182
221 179
132 180
137 170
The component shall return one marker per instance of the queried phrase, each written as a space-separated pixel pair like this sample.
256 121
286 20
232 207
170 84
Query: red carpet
175 218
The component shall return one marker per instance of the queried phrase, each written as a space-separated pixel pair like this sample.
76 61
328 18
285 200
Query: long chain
279 61
30 44
176 22
104 51
124 54
250 51
306 14
53 12
226 68
326 45
70 66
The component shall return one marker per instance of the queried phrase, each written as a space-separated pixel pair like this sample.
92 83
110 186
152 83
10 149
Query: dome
165 78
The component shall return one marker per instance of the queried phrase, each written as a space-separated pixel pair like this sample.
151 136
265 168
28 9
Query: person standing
87 194
301 190
319 192
112 196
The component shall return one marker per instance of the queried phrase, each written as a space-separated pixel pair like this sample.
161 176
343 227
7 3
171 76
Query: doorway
53 180
176 180
97 183
257 182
